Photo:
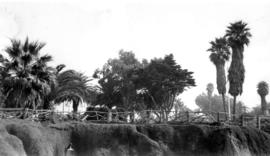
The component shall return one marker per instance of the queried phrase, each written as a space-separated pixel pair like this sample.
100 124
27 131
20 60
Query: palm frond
220 52
45 59
14 50
35 47
238 33
263 88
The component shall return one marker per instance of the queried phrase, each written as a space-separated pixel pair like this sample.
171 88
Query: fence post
187 113
109 115
96 115
258 122
217 116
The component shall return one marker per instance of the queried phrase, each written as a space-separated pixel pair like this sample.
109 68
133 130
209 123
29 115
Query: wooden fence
146 116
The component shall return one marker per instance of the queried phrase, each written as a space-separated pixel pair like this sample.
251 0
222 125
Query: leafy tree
133 85
162 81
263 90
257 110
202 102
116 80
220 53
210 90
26 77
179 106
108 94
237 36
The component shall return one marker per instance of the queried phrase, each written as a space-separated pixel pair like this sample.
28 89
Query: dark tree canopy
26 77
116 80
131 84
238 34
220 52
163 80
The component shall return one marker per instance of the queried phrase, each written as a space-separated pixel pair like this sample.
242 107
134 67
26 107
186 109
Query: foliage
202 101
162 81
179 106
220 52
237 36
133 85
26 77
256 110
210 89
27 80
72 86
263 90
116 80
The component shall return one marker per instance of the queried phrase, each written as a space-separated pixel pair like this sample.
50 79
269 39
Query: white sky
85 34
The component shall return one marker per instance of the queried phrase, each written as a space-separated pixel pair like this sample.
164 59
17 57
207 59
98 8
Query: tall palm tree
220 53
72 86
210 90
263 90
238 36
25 75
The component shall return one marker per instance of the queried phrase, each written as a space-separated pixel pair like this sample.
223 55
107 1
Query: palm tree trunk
229 108
75 107
234 107
221 83
263 105
224 105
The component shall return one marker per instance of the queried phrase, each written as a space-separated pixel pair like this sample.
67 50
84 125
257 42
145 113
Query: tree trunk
264 105
229 109
221 82
75 107
132 116
234 107
148 116
224 105
46 104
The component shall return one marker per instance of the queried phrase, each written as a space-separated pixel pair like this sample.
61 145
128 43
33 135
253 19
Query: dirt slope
18 137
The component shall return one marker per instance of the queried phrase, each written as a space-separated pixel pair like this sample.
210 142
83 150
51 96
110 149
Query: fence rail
145 116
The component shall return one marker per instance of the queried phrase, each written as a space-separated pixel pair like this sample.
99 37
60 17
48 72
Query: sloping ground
18 137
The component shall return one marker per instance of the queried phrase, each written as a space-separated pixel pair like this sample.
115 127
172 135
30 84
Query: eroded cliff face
20 138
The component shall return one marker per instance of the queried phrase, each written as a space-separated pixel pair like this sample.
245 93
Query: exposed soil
20 138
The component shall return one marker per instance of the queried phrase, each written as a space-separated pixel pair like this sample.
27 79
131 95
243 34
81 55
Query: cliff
20 138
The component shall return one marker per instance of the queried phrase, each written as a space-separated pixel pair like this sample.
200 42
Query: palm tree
48 99
237 36
263 90
73 87
220 53
210 90
26 78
